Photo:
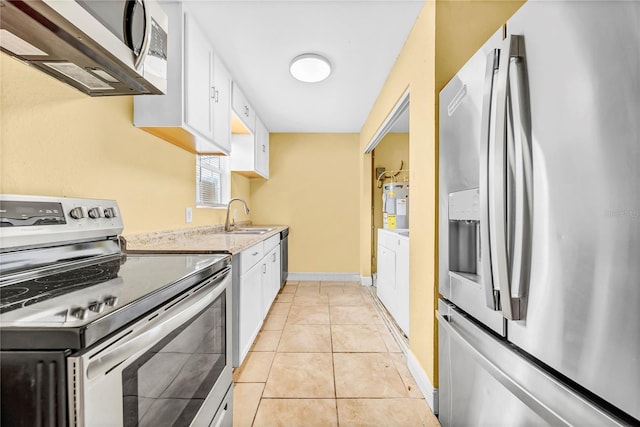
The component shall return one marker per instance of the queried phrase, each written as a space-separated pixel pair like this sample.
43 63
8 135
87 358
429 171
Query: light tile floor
324 357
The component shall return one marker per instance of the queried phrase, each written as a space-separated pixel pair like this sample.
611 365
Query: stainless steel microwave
101 47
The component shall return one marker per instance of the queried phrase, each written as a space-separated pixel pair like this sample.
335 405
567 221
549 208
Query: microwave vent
79 75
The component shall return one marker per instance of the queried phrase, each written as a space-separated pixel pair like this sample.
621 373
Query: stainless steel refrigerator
539 229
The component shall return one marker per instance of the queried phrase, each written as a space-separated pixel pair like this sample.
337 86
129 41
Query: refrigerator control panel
465 205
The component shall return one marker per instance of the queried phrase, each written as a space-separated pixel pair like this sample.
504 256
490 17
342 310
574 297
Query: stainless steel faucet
227 226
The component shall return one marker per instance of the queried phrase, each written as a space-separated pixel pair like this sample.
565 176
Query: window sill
211 207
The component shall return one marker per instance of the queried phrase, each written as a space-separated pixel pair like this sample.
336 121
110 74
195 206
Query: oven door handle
156 327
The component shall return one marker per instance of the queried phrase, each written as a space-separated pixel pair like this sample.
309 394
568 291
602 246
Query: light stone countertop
196 240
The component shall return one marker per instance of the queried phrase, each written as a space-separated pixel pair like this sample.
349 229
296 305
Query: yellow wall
414 68
313 187
389 152
57 141
444 36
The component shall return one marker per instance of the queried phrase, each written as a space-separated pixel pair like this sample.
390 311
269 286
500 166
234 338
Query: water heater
395 205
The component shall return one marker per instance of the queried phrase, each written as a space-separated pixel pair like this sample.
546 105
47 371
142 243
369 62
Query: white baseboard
327 277
366 281
429 392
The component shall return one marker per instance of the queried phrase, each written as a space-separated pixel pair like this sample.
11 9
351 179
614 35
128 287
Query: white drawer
271 243
251 256
386 239
390 239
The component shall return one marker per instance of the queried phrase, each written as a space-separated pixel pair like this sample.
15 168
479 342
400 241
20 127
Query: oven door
172 367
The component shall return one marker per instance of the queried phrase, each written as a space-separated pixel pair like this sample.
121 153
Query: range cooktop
83 303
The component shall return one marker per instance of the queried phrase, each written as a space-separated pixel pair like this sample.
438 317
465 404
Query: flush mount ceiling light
310 68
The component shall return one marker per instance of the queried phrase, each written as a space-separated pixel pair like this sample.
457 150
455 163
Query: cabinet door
271 283
243 109
265 290
221 105
386 283
262 149
274 260
250 307
198 75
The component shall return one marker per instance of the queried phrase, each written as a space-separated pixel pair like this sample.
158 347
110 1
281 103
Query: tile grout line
253 420
395 334
370 303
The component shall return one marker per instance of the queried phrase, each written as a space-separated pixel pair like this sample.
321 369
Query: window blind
210 179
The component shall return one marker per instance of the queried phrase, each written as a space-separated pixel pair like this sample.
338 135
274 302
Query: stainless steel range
92 336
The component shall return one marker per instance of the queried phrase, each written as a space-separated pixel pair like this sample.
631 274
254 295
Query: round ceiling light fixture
310 68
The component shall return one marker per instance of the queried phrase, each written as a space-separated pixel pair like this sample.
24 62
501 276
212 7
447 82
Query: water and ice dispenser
464 234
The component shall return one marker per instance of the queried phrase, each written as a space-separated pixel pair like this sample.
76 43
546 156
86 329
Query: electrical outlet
188 215
235 214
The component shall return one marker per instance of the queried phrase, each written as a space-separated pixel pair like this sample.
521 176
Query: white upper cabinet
198 70
250 152
221 104
262 149
244 111
195 114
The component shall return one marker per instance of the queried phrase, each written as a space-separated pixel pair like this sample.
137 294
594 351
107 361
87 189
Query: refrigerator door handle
510 305
521 125
491 297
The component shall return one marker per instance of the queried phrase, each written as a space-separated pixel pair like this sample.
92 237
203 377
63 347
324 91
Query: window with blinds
212 181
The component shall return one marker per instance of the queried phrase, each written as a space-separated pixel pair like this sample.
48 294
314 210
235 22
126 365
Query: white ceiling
258 39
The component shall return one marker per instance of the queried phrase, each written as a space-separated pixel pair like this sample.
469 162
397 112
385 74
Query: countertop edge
197 240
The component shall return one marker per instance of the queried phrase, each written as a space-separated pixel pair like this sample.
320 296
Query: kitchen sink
251 230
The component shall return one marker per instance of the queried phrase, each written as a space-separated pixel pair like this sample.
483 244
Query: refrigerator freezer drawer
483 381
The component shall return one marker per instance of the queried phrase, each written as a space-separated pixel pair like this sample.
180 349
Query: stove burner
33 291
72 276
12 292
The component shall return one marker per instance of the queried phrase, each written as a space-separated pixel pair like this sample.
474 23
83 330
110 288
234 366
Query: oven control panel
40 220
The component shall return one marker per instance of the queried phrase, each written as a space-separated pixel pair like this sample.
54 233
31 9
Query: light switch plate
188 215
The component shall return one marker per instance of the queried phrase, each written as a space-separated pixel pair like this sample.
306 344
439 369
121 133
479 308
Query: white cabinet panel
244 111
250 153
250 307
271 282
221 104
259 286
198 76
251 256
195 114
392 285
262 149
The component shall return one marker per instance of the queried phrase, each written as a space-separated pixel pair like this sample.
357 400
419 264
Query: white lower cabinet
250 307
259 285
392 285
271 279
